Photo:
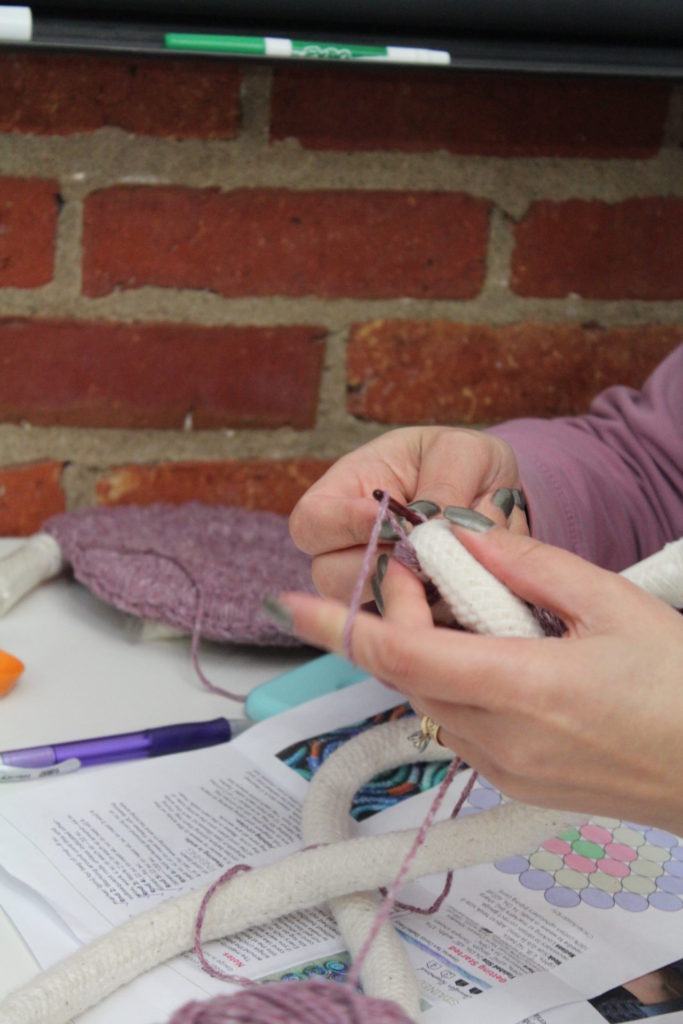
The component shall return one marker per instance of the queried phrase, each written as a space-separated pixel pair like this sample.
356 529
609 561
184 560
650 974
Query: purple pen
167 739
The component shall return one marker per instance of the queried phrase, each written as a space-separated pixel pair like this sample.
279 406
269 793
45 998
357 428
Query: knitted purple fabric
170 563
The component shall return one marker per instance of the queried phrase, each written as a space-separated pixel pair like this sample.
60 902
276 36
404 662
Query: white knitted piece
477 599
40 558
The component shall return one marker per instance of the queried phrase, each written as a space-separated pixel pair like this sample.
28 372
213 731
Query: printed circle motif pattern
603 863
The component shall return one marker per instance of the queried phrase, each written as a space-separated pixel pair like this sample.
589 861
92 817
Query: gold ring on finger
429 730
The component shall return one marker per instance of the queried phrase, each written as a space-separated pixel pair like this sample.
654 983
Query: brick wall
215 278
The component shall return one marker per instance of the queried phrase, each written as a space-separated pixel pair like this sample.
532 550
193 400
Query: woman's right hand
445 465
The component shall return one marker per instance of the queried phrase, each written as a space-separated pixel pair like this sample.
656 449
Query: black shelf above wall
607 37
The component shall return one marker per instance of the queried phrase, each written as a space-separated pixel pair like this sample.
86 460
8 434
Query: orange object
10 670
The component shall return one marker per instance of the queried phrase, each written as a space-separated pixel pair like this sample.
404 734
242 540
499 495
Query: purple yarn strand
316 1001
370 551
199 609
196 636
208 896
433 907
388 904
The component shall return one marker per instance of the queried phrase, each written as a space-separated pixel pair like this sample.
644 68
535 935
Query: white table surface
86 676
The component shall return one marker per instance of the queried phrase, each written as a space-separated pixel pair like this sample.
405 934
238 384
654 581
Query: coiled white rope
346 867
306 879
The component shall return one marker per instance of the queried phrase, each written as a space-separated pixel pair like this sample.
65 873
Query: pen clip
10 773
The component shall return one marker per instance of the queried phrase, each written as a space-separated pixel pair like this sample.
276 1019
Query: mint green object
314 679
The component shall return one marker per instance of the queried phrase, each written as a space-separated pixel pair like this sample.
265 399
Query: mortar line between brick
67 280
255 94
500 245
494 305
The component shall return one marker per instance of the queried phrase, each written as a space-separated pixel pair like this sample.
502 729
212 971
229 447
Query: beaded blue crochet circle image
384 789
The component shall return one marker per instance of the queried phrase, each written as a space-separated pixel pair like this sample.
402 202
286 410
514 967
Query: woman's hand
591 721
447 466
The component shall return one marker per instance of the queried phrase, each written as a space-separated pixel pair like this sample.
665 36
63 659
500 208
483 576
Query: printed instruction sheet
530 937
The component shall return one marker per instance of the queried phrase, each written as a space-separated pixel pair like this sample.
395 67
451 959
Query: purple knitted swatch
167 562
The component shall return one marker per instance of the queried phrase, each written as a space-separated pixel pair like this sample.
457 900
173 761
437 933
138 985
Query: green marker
268 46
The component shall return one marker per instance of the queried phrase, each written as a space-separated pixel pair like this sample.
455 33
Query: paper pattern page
528 938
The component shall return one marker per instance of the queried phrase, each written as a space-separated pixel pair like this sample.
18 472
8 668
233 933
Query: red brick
28 226
442 372
494 115
627 250
273 485
57 94
278 242
153 375
28 496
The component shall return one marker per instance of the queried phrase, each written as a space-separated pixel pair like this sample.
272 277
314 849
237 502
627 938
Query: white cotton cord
387 972
346 866
303 880
661 574
351 766
39 559
477 599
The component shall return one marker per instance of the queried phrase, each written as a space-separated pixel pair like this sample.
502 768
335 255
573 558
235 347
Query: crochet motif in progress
340 870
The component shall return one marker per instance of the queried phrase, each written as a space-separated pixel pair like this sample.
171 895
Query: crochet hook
398 509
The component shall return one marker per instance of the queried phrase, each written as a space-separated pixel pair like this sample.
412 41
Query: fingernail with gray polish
382 563
468 518
387 532
504 499
519 498
377 594
278 614
427 508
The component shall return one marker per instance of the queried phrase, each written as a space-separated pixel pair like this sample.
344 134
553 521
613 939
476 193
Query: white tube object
661 574
16 24
301 880
39 559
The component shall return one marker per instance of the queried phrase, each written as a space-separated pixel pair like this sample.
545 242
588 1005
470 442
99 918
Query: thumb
580 593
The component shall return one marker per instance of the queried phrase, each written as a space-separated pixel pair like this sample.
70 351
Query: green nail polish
387 532
468 518
519 498
427 508
278 614
382 563
504 499
377 594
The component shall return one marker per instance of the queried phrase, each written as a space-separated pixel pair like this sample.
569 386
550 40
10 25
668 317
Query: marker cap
16 24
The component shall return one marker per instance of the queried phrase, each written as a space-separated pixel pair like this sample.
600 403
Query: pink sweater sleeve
608 485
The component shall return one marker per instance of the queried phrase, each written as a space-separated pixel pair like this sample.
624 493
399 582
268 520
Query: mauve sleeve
608 485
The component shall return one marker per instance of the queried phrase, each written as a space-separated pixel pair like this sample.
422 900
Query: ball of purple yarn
158 561
281 1002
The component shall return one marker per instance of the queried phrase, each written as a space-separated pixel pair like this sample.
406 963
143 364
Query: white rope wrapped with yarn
329 872
306 879
387 972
